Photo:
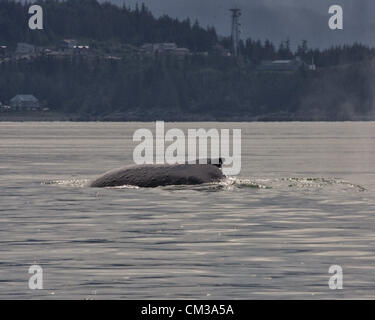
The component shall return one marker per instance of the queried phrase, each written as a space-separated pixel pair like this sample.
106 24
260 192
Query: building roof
280 65
69 40
81 47
24 97
282 61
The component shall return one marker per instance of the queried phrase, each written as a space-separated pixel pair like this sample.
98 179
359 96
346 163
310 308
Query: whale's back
159 175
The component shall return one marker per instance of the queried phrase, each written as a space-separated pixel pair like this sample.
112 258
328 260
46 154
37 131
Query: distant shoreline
35 116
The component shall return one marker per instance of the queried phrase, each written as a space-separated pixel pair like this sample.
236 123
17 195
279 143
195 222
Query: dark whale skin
150 176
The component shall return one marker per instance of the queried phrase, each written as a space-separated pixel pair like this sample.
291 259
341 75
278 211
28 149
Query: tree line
89 19
197 87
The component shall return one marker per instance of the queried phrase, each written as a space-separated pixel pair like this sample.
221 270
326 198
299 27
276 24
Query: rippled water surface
304 201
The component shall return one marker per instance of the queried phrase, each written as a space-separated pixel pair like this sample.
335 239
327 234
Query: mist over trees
205 85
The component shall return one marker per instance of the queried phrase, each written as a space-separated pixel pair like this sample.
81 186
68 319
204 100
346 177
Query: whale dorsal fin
218 162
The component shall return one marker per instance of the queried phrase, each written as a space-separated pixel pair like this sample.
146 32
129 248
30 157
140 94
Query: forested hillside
203 85
91 20
195 89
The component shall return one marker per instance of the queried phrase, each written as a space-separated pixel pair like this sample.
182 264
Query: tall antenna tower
236 13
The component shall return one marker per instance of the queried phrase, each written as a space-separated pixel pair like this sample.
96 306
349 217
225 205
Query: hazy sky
277 19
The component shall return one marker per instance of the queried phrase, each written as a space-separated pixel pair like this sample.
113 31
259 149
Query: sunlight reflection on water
303 202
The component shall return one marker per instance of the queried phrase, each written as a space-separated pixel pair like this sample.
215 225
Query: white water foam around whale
232 183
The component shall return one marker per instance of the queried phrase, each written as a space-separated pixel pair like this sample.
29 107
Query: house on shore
25 102
71 47
181 52
287 66
4 107
164 48
81 50
67 44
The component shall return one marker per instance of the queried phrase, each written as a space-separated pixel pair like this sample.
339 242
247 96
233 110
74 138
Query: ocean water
304 201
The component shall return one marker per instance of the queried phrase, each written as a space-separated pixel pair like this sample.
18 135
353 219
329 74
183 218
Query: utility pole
236 13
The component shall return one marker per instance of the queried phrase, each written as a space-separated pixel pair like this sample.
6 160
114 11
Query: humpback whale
150 176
